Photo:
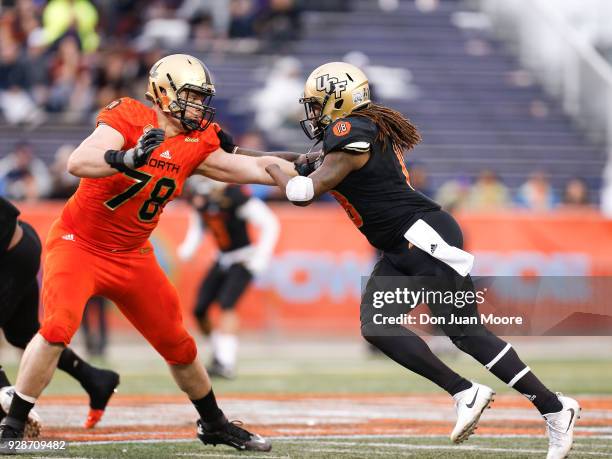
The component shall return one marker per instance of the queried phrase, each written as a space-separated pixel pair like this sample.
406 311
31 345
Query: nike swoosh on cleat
571 419
471 404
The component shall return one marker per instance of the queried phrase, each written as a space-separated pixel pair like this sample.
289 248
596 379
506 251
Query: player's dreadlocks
391 125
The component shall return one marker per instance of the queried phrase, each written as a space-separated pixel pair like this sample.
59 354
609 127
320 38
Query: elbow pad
300 189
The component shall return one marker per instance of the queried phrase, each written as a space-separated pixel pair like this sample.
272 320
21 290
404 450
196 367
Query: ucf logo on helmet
324 84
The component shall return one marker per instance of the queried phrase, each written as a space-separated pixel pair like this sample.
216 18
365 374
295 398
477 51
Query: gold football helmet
181 86
332 91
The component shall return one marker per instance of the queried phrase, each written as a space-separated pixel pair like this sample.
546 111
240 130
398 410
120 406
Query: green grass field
345 448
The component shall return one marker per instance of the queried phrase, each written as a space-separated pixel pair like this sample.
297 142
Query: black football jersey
220 214
8 222
378 198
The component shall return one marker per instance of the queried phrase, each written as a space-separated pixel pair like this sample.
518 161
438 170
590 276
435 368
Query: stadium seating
470 113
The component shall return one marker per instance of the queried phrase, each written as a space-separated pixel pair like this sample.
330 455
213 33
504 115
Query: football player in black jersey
20 250
362 166
227 210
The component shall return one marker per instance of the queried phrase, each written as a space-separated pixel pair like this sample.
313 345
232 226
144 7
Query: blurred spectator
78 17
64 184
488 193
64 72
37 61
23 176
279 24
217 11
386 82
113 74
242 18
162 27
537 193
203 36
15 102
576 194
453 194
276 103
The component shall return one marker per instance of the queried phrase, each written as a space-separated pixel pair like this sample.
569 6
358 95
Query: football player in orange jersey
132 165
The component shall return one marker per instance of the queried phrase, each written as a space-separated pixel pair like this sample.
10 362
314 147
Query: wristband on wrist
115 159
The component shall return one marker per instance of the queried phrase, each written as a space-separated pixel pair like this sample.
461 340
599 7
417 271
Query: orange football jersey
119 212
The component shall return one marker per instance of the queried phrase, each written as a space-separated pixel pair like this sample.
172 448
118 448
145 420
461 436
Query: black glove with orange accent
227 141
138 155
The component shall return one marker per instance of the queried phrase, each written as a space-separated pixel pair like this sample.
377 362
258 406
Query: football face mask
312 125
192 107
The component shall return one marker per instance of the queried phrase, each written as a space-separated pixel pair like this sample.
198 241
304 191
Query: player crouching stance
362 165
132 165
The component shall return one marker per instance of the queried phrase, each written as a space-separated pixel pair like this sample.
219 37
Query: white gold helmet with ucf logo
332 91
181 86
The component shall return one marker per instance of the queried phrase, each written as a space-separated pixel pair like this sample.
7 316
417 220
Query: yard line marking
241 456
449 447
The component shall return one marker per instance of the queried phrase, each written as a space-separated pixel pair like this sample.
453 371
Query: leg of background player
225 339
207 293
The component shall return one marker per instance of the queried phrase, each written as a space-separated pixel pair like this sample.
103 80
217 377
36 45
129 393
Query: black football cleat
10 430
100 388
223 432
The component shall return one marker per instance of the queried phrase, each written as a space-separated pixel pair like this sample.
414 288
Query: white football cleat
470 404
33 424
560 428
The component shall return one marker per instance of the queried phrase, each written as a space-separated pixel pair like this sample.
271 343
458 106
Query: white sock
225 348
27 398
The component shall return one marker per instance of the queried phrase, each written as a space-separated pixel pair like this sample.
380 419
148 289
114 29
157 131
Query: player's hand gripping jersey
378 198
119 212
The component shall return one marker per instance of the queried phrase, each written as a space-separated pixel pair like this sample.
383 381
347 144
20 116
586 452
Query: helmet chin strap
188 124
314 145
332 89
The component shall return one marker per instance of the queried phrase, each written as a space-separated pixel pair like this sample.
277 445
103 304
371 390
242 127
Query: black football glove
308 163
138 155
227 141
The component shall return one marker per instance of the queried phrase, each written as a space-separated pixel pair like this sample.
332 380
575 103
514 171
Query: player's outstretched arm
228 145
100 154
301 191
226 167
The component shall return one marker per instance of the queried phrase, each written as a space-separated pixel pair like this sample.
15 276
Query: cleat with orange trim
93 418
100 386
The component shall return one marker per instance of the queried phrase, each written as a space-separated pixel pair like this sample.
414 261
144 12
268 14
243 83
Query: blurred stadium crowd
65 59
69 58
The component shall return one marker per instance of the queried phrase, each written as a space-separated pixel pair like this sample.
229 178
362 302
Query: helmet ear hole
338 104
